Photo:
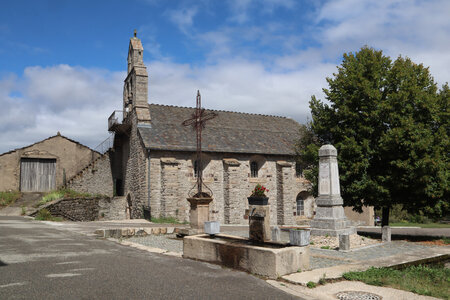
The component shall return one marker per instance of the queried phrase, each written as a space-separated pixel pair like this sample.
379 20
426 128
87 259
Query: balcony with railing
116 122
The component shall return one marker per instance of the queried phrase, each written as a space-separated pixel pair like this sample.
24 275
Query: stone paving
320 258
168 242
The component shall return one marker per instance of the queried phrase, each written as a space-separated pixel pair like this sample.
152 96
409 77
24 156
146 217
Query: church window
300 206
253 169
196 168
298 170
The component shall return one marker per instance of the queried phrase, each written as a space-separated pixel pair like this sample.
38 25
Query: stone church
153 161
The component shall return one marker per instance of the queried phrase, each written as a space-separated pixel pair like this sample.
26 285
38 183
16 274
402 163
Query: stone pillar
344 242
259 223
199 214
386 234
285 199
169 187
330 218
232 192
155 187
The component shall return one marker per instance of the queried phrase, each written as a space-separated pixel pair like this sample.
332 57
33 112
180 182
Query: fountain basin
267 259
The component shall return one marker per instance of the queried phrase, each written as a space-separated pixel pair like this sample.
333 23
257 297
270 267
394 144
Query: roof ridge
46 139
237 127
220 110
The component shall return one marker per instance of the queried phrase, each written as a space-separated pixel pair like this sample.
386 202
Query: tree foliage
390 125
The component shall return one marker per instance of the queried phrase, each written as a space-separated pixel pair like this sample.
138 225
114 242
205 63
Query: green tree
390 125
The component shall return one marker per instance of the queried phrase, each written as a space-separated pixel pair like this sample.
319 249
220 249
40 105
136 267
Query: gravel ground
356 241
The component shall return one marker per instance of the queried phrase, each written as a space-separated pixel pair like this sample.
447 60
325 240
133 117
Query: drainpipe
148 178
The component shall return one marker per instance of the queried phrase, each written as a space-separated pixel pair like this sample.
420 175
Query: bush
398 215
311 284
51 196
6 198
64 193
168 220
45 215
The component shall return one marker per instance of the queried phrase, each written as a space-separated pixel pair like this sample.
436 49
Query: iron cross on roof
197 121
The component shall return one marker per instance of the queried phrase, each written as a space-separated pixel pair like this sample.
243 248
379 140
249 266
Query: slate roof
229 132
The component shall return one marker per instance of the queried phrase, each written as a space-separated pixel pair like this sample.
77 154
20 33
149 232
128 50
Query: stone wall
367 217
96 178
135 187
228 176
70 157
112 208
88 209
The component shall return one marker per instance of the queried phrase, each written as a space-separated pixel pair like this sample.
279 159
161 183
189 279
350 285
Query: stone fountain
257 255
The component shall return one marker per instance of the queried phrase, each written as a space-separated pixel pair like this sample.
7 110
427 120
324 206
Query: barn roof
230 132
49 138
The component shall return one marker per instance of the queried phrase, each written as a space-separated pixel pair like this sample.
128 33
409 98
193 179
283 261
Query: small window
298 170
253 169
196 168
300 206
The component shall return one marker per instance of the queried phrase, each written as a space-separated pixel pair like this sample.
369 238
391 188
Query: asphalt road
41 261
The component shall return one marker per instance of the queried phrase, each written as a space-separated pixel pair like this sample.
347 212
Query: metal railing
116 118
106 144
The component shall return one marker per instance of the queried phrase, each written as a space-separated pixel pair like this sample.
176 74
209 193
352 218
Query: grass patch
424 280
45 215
64 193
168 220
6 198
325 247
422 225
23 210
311 284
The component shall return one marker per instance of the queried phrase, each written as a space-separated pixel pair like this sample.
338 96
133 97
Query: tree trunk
385 216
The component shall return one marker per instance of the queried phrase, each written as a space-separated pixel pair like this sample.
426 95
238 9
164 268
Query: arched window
298 170
253 169
300 206
196 168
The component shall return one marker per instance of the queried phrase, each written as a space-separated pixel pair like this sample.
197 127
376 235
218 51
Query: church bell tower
135 90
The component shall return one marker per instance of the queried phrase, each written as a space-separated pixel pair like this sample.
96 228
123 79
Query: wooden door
37 175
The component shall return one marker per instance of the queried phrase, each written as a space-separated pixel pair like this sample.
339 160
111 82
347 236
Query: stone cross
197 121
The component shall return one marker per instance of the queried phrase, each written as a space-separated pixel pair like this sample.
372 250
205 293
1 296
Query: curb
146 248
135 231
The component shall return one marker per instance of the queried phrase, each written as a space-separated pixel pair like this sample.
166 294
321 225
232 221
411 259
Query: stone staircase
87 167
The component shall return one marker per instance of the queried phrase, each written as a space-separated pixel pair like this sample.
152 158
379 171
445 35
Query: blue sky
62 63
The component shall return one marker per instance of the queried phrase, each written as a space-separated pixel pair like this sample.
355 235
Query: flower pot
258 200
299 237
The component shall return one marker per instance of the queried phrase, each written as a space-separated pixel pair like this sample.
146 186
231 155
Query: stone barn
42 166
154 167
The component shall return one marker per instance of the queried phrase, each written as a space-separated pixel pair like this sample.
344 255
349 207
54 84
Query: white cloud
417 29
183 18
238 85
73 100
270 5
240 9
234 74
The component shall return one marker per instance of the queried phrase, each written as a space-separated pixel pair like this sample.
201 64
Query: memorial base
198 215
